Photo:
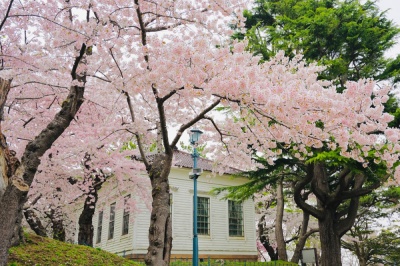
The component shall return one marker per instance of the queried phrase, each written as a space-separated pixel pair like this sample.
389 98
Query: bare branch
115 131
141 23
128 99
138 140
141 150
115 61
77 61
170 94
156 29
270 117
6 16
193 121
27 122
100 78
41 83
55 98
217 129
34 201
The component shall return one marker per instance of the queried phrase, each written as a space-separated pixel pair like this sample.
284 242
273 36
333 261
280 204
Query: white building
226 228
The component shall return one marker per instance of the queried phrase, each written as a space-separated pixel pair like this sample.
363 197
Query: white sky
393 7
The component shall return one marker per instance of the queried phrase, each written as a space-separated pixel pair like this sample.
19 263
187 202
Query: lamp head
195 135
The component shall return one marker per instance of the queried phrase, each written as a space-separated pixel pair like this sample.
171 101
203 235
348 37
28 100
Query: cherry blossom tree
17 175
360 139
50 49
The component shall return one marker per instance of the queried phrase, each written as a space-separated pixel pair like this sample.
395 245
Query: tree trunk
265 241
160 231
362 262
330 240
304 234
334 218
271 251
34 223
57 225
10 196
280 240
85 235
5 167
58 230
361 252
10 213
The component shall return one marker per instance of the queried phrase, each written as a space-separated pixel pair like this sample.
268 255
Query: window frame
235 219
203 221
99 227
111 223
125 217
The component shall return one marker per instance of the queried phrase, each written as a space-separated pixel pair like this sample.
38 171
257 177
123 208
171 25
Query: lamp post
194 139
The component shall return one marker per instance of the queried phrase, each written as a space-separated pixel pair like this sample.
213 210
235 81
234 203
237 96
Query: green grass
41 251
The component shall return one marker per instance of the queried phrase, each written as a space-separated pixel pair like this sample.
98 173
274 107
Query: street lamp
194 139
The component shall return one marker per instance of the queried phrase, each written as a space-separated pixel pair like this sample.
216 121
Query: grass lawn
41 251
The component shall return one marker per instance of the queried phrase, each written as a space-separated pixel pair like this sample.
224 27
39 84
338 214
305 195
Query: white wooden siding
119 243
218 242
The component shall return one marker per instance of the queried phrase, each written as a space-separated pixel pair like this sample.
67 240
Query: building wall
119 243
217 243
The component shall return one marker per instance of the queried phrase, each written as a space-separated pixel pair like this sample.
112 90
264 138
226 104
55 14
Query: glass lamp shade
195 135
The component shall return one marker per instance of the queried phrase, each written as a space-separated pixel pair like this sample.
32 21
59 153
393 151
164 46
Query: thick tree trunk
34 223
160 231
280 205
330 240
5 173
333 224
85 235
10 213
10 196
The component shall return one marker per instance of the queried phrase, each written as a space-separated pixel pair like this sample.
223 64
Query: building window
125 218
112 222
203 216
235 210
99 227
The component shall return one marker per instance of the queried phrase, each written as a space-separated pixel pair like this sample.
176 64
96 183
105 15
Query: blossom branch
170 94
193 121
138 140
51 21
221 134
116 63
7 14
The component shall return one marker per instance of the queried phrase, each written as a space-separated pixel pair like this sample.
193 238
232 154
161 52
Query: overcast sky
393 13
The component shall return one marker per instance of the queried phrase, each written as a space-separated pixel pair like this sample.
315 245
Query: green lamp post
194 139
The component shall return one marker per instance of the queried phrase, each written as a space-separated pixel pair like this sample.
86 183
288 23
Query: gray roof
185 160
